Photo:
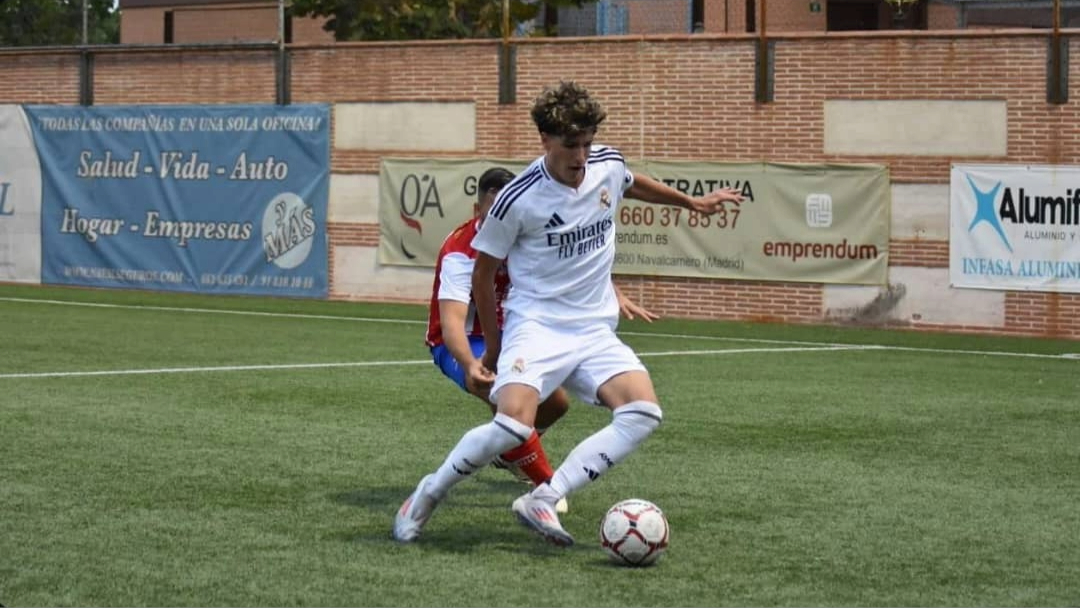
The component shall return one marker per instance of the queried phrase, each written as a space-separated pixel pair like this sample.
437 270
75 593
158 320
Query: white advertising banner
1015 227
20 199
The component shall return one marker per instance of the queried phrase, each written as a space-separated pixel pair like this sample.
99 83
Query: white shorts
545 358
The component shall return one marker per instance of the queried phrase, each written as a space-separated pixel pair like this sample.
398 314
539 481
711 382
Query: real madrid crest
605 198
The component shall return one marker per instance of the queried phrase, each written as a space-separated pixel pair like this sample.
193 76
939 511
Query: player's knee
638 419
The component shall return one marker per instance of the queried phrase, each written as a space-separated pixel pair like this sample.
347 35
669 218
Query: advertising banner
811 223
1015 227
216 199
422 200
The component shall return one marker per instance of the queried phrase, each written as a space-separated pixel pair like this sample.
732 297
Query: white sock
630 425
476 449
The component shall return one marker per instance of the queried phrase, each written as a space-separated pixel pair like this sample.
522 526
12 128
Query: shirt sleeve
498 233
455 279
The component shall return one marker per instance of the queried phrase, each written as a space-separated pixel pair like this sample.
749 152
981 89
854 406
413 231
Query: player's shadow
488 495
479 492
377 499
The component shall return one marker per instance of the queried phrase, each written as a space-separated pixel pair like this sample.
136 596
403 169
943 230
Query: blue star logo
985 212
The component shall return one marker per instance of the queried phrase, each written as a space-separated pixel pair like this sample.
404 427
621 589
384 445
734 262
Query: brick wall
216 23
142 25
658 16
942 16
39 78
223 24
681 97
184 77
717 17
795 16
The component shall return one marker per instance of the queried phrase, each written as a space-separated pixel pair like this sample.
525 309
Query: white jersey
558 241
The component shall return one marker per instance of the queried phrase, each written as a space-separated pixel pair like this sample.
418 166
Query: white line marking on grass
223 368
649 334
738 351
247 368
916 349
988 353
671 353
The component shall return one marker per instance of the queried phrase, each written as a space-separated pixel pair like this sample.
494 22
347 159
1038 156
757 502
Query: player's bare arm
453 313
650 190
483 290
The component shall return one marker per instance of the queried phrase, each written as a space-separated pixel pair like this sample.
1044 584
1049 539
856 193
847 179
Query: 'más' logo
418 193
985 211
288 230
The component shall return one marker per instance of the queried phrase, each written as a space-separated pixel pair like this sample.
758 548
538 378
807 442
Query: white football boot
540 516
414 513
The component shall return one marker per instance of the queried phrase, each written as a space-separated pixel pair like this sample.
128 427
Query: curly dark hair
566 110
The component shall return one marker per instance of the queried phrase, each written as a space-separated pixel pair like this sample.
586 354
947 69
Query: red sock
530 458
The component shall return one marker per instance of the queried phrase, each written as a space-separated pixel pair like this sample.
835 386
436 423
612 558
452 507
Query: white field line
248 368
801 345
222 368
739 351
914 349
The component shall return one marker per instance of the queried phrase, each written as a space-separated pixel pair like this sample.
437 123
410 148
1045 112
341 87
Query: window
168 27
847 15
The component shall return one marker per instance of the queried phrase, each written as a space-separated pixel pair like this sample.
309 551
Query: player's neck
555 175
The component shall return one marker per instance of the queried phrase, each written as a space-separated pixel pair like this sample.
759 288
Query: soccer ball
634 532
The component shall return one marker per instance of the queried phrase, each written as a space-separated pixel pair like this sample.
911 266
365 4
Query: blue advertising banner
214 199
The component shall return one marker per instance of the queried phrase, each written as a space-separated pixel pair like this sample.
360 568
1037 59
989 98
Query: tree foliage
420 19
57 22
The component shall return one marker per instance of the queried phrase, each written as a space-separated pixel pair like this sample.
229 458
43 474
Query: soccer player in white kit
554 224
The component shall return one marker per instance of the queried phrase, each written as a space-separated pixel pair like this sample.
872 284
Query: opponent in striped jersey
453 282
554 225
